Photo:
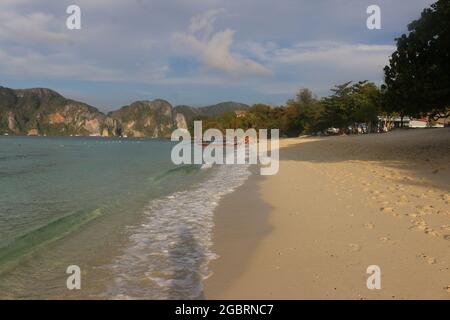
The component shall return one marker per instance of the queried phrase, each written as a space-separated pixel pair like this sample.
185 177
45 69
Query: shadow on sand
422 152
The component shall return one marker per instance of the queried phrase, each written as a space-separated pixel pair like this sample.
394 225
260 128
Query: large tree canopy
418 76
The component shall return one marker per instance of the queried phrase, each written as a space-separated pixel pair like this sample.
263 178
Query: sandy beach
337 206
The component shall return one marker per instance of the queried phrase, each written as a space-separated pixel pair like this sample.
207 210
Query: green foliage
418 76
349 105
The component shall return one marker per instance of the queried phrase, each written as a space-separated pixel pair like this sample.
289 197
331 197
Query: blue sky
196 52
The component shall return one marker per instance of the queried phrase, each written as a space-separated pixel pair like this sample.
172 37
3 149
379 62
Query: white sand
338 205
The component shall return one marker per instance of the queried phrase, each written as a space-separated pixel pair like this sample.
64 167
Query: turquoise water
137 225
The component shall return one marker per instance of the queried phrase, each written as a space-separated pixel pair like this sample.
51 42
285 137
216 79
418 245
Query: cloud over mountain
195 51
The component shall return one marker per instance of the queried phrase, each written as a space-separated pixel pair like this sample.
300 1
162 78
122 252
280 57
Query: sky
196 52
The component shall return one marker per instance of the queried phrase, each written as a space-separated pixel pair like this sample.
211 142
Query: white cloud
204 23
214 49
56 66
36 27
133 42
338 54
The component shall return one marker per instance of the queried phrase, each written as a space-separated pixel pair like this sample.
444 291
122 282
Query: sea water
138 226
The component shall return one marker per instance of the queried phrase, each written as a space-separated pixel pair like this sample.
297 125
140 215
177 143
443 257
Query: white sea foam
170 251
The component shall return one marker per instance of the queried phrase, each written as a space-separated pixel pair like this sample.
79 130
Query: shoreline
248 224
338 205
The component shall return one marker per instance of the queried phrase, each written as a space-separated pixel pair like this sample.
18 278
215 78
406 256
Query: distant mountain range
41 111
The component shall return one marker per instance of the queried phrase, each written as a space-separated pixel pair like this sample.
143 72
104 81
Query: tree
417 80
309 110
367 101
348 106
338 108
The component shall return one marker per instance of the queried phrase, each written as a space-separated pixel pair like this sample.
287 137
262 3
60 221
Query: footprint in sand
432 232
403 199
354 247
390 210
385 239
420 224
425 209
369 226
427 259
447 288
